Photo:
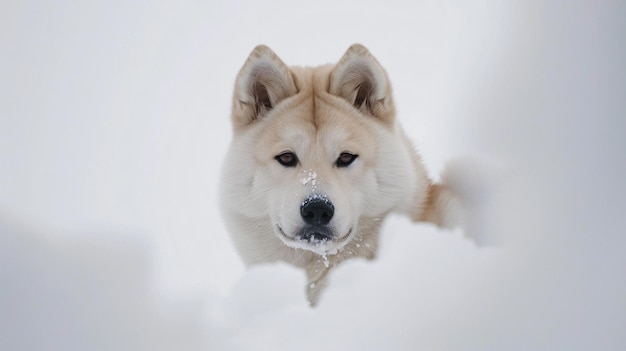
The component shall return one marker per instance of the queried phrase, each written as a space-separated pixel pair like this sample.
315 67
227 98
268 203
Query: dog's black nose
317 211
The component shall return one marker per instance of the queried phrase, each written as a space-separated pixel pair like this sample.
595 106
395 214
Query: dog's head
314 149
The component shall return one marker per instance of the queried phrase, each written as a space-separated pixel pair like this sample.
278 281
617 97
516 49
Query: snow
311 176
325 258
114 119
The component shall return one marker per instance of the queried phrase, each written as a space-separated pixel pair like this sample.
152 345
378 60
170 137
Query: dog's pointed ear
361 80
263 82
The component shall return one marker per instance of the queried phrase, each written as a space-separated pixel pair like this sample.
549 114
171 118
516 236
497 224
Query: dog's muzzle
317 234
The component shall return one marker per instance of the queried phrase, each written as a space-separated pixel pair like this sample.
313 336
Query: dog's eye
345 159
287 159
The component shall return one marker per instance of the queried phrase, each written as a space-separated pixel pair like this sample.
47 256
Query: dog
317 161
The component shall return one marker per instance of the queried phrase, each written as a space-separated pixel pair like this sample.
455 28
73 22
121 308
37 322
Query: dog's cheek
371 199
283 204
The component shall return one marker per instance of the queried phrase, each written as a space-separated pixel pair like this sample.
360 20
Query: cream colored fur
318 113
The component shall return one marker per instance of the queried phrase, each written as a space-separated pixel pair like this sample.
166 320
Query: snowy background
114 119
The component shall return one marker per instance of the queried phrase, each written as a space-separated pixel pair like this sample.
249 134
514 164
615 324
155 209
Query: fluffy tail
442 207
460 199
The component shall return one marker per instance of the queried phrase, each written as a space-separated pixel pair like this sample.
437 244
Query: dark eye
345 159
287 159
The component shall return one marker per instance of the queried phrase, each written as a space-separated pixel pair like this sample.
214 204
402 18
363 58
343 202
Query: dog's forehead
314 122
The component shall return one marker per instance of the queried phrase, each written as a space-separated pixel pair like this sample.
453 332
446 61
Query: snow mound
422 277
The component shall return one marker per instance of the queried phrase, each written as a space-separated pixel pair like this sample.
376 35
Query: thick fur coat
317 161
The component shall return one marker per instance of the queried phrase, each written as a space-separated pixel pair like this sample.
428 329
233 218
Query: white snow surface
114 122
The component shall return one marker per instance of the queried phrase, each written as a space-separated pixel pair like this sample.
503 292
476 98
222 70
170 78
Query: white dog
317 161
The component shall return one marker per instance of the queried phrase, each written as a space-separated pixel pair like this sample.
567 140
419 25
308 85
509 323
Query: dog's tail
459 199
442 207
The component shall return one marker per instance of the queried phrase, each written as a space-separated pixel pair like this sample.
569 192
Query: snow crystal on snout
310 177
315 196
